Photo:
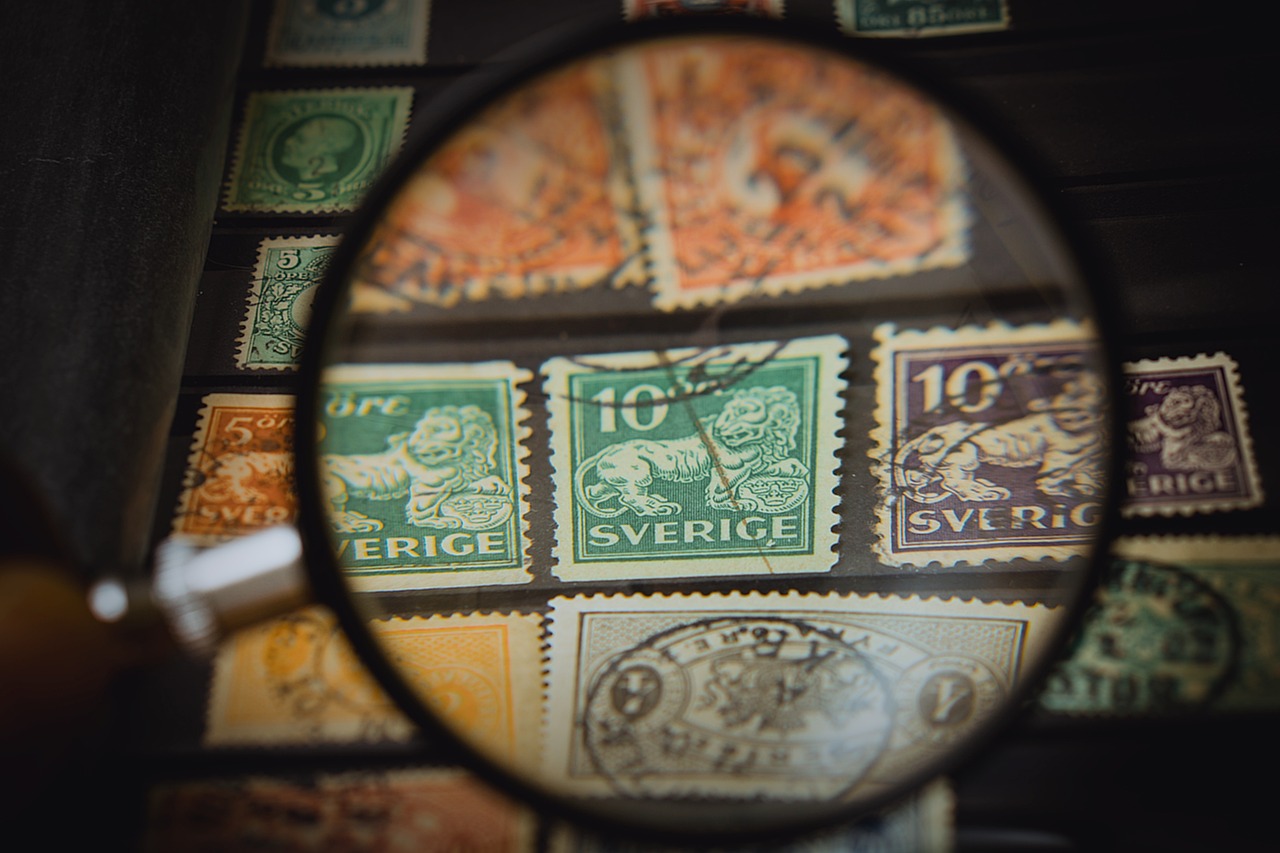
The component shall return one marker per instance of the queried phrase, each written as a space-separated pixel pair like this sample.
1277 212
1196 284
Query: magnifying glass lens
710 433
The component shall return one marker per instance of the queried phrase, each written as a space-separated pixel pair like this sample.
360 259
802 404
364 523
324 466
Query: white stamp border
254 297
847 22
828 426
514 377
888 340
567 689
1248 463
413 53
284 402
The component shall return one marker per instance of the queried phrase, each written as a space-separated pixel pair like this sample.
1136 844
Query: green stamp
422 469
696 462
314 151
348 33
279 306
920 17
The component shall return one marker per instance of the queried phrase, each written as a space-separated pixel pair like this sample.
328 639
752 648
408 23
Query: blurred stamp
307 33
432 809
530 198
295 680
696 462
239 476
279 305
314 151
989 443
921 17
1188 437
635 10
763 169
422 469
771 695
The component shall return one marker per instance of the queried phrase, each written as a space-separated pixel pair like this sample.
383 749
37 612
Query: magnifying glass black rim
449 112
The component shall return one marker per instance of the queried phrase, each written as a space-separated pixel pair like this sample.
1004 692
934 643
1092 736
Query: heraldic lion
443 467
1062 435
751 437
1187 430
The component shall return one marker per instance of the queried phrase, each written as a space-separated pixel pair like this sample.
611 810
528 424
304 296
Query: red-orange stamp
763 168
240 473
530 198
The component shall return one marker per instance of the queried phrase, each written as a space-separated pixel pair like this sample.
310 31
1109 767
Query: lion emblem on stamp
443 469
741 453
1185 428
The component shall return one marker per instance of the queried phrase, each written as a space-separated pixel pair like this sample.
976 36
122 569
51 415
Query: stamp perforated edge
403 96
1260 548
1235 393
846 22
504 371
830 351
889 339
658 230
254 297
563 623
283 402
415 53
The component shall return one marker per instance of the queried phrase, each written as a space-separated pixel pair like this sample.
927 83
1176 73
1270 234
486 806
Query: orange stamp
763 168
529 198
240 473
296 680
436 810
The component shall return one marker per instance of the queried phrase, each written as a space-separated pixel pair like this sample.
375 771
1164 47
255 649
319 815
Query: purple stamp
989 443
1188 437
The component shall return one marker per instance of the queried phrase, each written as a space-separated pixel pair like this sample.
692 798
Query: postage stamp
695 462
348 33
422 469
442 809
635 10
988 443
921 17
279 305
1186 623
239 476
529 198
765 169
1188 436
314 151
771 695
295 680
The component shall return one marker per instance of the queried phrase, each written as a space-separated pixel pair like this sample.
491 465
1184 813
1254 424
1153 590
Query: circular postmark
1157 641
945 697
738 706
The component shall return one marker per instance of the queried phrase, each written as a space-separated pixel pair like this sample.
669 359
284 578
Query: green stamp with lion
315 151
422 471
698 461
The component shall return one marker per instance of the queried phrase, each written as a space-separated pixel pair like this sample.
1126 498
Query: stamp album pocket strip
696 462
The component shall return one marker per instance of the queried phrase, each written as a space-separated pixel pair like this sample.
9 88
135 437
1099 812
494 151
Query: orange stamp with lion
766 169
240 476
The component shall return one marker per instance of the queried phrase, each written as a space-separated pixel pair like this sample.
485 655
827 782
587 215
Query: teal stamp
279 306
314 151
348 33
696 462
422 469
920 17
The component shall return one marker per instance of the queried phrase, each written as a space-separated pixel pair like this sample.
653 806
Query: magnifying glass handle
203 595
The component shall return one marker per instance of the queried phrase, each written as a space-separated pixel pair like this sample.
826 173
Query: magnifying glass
728 416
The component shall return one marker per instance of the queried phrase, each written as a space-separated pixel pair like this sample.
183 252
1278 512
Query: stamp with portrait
279 305
989 443
531 197
1188 437
314 151
425 809
422 470
696 462
921 17
306 33
764 169
771 695
635 10
240 475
